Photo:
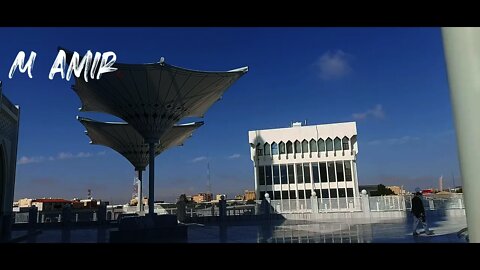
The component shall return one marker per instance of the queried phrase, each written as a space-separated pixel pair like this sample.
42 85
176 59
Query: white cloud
60 156
84 155
234 156
394 141
198 159
334 65
375 112
27 160
64 155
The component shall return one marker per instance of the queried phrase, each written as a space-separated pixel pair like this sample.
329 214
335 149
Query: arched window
353 141
313 145
289 147
329 144
281 147
259 150
338 144
304 146
274 148
321 145
266 149
345 143
298 147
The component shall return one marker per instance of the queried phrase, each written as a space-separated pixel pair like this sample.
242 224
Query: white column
462 53
336 179
255 176
140 191
353 164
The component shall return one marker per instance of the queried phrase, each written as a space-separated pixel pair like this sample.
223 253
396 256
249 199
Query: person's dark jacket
417 207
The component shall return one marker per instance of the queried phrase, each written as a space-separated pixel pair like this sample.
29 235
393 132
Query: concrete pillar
140 190
365 203
151 179
462 54
314 202
6 226
1 216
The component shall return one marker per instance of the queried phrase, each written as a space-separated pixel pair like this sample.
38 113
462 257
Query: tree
381 191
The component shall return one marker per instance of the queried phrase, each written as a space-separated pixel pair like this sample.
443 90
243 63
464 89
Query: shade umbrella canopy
152 97
124 139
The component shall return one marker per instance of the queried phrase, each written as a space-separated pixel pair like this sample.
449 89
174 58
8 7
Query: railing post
314 202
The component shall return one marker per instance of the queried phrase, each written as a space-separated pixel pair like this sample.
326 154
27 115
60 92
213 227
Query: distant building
428 191
249 195
397 190
218 197
291 163
239 197
9 125
202 197
25 203
85 203
134 201
50 204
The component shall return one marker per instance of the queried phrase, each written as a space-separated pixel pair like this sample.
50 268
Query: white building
9 125
291 163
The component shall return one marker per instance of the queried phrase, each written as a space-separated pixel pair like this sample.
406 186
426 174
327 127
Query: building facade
50 204
249 195
9 124
294 162
397 190
202 197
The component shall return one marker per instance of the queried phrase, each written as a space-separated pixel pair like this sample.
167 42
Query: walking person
418 212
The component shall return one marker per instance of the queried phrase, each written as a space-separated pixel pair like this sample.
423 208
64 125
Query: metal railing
322 205
433 202
387 203
318 205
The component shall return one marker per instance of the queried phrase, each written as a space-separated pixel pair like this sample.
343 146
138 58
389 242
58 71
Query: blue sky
392 81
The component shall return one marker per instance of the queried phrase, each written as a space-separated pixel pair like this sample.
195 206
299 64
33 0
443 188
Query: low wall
374 216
